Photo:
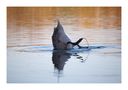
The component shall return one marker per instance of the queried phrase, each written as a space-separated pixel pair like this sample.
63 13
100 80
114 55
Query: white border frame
33 86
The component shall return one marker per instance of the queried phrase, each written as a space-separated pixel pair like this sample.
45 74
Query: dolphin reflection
60 57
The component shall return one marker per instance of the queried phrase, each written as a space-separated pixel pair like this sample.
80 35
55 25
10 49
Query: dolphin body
61 41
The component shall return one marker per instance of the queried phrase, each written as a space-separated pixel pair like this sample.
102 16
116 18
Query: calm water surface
30 56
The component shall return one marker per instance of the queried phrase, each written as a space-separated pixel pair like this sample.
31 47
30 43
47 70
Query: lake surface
30 54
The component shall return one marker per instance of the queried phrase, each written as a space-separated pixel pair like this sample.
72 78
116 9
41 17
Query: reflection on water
60 57
32 60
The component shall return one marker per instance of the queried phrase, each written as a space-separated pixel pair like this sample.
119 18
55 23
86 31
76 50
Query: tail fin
77 42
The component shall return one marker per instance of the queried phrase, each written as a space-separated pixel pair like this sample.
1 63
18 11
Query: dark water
31 58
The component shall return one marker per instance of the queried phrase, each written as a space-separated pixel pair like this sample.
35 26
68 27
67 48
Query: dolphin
61 41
